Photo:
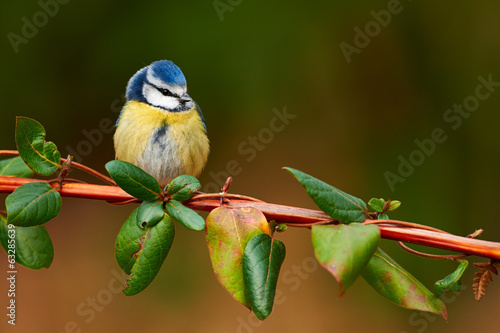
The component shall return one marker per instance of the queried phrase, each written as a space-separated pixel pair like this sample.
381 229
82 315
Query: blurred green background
355 117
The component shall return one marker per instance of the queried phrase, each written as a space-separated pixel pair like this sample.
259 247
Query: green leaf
281 228
396 284
453 281
261 266
345 250
15 167
185 216
227 233
33 204
383 217
394 205
150 213
140 252
339 205
134 180
377 204
183 187
43 157
30 246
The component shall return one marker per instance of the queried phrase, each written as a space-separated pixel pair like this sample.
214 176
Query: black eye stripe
166 92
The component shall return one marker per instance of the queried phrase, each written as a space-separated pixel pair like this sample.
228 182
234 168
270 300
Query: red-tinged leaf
228 231
403 289
345 250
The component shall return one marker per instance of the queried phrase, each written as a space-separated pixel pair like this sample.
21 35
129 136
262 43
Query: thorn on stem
224 190
387 204
65 170
228 182
475 233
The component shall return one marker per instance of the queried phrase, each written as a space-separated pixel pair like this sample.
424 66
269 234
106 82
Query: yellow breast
165 144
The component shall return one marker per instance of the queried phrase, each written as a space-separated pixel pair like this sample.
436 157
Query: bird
160 128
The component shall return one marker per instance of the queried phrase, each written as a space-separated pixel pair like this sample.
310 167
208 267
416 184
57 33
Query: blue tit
160 128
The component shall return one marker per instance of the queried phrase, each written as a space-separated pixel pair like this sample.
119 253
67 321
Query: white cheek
155 98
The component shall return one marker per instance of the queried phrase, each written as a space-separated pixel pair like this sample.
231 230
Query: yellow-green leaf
228 232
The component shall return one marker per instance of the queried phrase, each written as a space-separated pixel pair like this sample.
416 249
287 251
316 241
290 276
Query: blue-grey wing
201 115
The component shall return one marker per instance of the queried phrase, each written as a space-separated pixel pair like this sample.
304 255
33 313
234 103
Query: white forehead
178 90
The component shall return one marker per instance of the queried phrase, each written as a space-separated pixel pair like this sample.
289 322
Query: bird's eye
165 92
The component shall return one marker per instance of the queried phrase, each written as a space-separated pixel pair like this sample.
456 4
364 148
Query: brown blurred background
359 101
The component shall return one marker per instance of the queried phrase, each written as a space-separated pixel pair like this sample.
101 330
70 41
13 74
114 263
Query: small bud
377 204
394 205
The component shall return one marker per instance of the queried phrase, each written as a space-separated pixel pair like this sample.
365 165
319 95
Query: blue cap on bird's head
167 72
160 84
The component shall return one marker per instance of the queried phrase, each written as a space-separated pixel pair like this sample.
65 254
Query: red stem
437 239
74 190
73 164
291 216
